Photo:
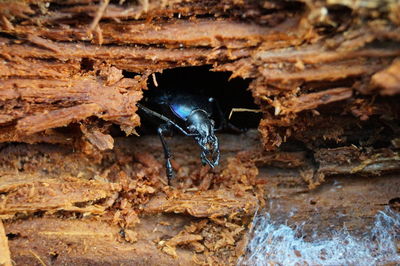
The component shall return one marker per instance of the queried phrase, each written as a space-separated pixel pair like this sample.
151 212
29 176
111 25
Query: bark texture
325 75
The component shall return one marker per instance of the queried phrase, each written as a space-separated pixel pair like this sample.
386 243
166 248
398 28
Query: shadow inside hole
87 64
12 236
395 204
202 81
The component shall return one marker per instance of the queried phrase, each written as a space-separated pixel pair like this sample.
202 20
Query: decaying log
388 79
204 204
262 50
349 160
325 77
70 194
174 233
5 258
81 241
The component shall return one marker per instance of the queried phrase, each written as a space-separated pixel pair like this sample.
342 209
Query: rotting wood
311 62
388 79
203 204
49 195
88 240
5 258
349 160
284 173
70 70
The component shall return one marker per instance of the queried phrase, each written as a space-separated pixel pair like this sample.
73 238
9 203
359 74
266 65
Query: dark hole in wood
12 236
128 74
229 93
87 64
395 204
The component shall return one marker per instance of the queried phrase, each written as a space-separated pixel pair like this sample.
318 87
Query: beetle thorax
202 127
198 122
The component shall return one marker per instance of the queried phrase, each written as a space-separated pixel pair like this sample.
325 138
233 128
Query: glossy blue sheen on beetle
183 111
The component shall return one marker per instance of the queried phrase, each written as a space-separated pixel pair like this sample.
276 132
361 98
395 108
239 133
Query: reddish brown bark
325 75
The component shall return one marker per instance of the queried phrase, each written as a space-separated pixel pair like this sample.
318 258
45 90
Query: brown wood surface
325 75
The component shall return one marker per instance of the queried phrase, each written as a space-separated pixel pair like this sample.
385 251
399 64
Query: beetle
191 115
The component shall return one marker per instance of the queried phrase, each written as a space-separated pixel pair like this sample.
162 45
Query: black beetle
191 115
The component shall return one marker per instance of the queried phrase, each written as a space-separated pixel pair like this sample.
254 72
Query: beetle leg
205 160
165 129
216 153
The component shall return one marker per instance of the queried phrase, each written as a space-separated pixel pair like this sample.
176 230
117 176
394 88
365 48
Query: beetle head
200 124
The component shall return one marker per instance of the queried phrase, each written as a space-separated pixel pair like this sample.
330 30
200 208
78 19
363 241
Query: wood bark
325 75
